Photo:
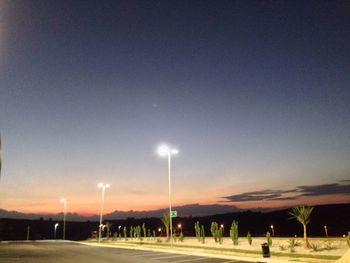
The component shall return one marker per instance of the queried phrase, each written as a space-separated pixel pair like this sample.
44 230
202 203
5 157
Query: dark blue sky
255 94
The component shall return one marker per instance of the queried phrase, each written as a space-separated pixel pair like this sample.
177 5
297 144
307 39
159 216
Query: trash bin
265 250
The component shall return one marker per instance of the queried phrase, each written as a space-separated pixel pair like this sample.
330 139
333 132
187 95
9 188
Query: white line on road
165 257
188 260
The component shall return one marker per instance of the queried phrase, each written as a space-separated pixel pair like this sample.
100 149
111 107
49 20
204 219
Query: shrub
234 232
315 247
197 231
181 237
348 239
214 229
137 232
125 233
328 245
268 238
249 237
131 231
202 234
220 236
144 230
282 247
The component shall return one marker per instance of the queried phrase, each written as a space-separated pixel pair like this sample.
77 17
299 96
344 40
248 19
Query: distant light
100 185
56 225
271 226
63 200
222 226
108 185
179 225
159 229
164 150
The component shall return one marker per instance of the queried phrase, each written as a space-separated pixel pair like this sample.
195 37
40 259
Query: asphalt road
66 252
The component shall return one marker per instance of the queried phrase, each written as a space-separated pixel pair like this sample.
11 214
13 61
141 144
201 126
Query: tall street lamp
103 186
56 225
273 230
64 217
166 151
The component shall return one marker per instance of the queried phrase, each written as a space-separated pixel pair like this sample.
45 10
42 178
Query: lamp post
166 151
64 217
56 225
273 230
326 230
222 229
103 186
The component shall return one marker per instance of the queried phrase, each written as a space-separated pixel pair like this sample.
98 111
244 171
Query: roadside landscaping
324 250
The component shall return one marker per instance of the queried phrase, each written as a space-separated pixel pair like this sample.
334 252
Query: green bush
197 229
181 237
144 230
268 238
131 231
202 234
125 233
214 229
234 232
220 235
249 237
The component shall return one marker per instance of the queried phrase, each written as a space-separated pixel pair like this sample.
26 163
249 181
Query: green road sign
173 213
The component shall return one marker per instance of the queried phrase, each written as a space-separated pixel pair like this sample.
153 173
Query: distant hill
256 222
183 211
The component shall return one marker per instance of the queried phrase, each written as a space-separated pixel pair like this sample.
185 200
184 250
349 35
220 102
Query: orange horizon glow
87 210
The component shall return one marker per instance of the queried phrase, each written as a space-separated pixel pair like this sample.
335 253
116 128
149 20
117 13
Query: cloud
257 196
345 181
324 189
292 194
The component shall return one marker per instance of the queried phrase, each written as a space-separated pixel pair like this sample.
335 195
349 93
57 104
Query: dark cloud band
300 191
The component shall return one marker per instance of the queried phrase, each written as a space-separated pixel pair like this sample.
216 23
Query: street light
64 217
273 230
166 151
56 225
222 229
326 231
103 186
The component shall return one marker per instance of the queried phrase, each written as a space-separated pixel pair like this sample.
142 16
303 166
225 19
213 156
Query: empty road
67 252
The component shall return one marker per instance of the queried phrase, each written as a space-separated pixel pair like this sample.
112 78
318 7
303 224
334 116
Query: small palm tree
166 222
303 215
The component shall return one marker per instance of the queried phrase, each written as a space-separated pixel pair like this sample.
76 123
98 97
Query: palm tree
303 215
166 222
